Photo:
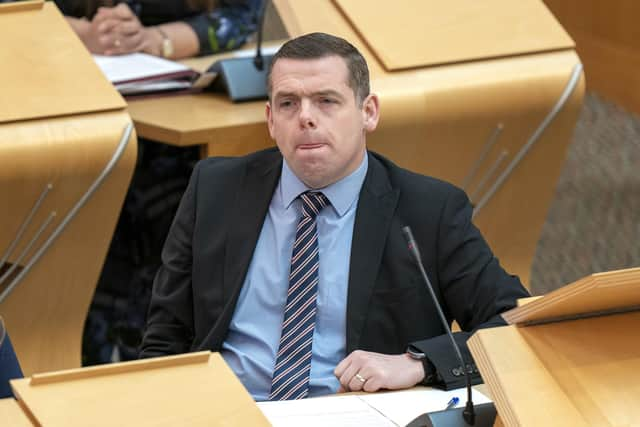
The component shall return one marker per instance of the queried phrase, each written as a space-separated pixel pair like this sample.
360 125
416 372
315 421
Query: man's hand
367 371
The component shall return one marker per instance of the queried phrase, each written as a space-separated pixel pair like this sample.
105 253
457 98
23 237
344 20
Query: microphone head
411 243
406 232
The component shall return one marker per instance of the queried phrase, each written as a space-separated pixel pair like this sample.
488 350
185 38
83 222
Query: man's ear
268 113
371 112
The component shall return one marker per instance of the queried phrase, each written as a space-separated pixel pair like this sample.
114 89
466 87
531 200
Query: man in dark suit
322 214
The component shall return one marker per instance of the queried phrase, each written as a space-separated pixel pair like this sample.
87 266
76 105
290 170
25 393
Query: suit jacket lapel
376 206
247 216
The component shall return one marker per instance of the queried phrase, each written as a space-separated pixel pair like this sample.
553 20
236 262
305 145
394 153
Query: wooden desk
12 414
193 389
210 120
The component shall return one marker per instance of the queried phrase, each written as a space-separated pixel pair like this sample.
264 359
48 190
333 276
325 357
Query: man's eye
327 100
285 104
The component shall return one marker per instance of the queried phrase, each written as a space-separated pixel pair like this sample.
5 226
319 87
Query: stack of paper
139 73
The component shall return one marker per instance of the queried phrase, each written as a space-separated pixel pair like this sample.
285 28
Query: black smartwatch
430 374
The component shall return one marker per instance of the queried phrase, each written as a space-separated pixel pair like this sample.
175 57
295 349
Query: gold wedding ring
360 378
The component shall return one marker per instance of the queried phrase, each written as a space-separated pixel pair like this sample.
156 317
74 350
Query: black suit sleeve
474 290
169 328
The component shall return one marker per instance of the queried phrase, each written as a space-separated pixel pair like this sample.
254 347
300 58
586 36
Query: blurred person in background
170 28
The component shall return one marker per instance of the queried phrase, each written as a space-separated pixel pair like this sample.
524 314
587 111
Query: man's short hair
321 45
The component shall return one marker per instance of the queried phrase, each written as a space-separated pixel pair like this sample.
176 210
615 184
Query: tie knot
312 203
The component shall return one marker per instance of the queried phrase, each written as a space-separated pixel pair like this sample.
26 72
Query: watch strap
166 49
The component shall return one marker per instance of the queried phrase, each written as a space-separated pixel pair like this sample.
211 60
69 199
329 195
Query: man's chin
311 161
313 176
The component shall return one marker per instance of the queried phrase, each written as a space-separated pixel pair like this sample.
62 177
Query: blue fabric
9 367
254 333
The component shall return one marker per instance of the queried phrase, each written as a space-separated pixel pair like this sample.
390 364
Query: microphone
258 60
244 79
448 417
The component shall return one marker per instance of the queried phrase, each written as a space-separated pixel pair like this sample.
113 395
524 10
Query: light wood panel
62 164
509 356
574 373
12 415
575 349
321 15
39 69
436 32
601 293
607 37
192 119
45 312
195 389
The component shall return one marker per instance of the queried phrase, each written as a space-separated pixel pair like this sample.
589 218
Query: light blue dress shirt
251 345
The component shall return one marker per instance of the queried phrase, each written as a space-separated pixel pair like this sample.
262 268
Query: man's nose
307 115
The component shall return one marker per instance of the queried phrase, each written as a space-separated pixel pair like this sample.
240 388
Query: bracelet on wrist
166 46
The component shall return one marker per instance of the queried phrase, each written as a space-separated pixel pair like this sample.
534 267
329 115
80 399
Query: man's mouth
310 145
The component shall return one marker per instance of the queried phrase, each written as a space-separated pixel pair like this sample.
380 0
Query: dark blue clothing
9 367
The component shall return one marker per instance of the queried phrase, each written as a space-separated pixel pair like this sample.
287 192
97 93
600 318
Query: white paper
123 68
333 411
383 409
402 407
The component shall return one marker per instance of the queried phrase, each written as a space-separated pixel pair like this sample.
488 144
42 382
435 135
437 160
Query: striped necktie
293 362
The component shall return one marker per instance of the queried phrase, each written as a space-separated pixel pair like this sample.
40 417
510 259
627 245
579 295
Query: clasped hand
117 30
367 371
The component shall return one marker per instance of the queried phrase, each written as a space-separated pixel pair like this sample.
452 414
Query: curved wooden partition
484 95
607 38
65 165
46 306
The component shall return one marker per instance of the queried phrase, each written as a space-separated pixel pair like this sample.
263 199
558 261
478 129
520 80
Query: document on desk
384 409
333 411
140 74
403 406
139 67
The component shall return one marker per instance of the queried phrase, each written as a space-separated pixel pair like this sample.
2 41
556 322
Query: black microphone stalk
469 412
244 78
258 60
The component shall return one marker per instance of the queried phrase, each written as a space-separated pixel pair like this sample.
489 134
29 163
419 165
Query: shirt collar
341 194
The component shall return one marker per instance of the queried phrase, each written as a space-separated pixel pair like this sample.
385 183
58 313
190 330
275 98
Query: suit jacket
215 231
